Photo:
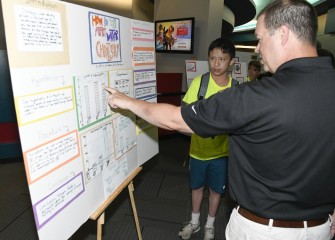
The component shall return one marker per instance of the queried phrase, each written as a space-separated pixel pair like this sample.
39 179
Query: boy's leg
197 178
197 195
217 179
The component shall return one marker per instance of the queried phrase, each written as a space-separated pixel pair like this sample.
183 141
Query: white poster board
240 72
144 67
76 150
195 68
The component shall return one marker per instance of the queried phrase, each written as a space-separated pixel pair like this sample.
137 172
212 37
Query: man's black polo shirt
282 139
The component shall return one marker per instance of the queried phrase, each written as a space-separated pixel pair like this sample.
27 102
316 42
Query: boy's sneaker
188 230
209 233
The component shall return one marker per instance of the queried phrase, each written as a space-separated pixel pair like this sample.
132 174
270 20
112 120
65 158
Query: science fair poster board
144 72
195 68
240 72
76 150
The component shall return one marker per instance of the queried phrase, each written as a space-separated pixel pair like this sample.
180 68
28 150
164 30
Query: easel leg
131 190
100 222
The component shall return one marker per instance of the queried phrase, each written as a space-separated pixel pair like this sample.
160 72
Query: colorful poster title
105 38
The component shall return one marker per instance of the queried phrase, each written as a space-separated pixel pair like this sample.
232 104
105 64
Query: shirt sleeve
219 114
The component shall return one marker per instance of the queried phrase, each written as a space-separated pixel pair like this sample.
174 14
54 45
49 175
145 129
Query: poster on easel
77 151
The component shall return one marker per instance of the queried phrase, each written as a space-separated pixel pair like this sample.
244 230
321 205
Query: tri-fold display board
77 150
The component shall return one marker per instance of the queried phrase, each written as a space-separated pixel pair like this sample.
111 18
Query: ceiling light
248 26
245 47
259 5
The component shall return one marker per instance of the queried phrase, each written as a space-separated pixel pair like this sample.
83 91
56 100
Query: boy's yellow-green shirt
206 148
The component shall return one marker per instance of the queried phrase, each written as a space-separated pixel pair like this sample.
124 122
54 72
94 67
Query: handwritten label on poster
140 34
43 159
48 207
122 80
47 81
144 76
38 29
115 174
143 56
38 106
145 92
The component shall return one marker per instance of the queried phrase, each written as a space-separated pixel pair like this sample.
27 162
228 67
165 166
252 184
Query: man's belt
279 223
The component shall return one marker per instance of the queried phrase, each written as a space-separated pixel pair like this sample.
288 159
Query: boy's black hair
255 63
225 45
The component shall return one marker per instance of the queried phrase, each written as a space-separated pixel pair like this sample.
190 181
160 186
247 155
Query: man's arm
162 115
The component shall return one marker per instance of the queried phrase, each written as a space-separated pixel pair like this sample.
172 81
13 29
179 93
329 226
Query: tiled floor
162 199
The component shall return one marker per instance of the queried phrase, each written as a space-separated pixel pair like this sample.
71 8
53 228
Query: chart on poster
77 151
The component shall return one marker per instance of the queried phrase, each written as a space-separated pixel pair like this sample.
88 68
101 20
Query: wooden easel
99 214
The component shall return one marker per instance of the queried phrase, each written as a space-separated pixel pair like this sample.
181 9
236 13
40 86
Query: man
254 70
282 131
326 53
208 165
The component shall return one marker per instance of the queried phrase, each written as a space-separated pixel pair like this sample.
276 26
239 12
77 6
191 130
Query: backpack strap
204 84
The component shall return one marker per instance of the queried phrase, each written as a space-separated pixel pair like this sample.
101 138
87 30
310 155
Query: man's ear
284 32
232 61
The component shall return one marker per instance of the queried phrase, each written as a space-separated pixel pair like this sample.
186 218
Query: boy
209 156
254 70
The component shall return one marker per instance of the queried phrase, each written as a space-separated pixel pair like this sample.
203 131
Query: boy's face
219 62
254 72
